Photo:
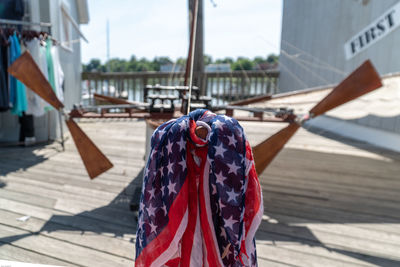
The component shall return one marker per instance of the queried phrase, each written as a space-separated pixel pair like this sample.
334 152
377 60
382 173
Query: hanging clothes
4 94
17 89
12 9
201 201
36 105
50 68
45 69
58 73
26 129
50 64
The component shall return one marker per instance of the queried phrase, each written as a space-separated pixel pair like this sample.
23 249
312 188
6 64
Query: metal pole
61 129
24 23
108 42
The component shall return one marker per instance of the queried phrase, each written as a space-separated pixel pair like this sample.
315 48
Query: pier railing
223 87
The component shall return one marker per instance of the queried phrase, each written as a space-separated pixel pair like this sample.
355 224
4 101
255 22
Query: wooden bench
163 106
163 94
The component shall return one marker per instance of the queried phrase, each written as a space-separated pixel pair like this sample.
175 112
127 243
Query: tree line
134 64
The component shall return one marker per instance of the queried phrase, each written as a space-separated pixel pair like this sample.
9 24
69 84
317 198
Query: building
324 41
65 17
223 67
317 38
171 68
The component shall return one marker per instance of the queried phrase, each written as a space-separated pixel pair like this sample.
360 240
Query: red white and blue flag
201 200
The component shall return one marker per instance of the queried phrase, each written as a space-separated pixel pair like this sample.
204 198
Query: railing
223 87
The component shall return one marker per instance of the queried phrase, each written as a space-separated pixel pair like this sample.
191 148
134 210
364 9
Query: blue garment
17 89
4 95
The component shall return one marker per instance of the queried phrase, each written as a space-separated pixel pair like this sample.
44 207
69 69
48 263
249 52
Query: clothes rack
48 25
25 23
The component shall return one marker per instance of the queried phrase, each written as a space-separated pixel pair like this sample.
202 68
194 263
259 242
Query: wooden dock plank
83 221
325 237
296 258
13 253
92 240
58 249
309 247
327 201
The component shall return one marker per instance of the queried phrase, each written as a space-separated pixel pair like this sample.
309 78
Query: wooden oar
94 160
113 100
363 80
26 70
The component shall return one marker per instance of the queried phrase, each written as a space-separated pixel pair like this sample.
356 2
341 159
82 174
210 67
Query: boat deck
329 201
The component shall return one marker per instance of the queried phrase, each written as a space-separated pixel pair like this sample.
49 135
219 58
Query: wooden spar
191 44
110 99
26 70
94 160
251 100
361 81
192 50
197 39
117 101
266 151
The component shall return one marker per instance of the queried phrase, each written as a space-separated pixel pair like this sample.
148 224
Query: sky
154 28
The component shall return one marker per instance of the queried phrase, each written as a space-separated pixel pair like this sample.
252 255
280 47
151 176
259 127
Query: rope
293 58
192 48
323 63
293 75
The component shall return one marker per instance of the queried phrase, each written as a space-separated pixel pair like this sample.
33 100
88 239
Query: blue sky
150 28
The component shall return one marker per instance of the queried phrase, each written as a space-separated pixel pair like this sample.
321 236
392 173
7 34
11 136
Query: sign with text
374 32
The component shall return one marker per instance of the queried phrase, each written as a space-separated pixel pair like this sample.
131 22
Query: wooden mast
198 65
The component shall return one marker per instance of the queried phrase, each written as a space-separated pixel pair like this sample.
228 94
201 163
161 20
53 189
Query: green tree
93 65
160 61
132 64
258 60
144 65
181 62
116 65
227 60
207 60
272 58
242 63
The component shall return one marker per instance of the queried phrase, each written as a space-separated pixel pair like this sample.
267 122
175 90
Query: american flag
201 201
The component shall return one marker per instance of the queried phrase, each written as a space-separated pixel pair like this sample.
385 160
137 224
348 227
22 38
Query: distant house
65 17
218 67
266 66
171 68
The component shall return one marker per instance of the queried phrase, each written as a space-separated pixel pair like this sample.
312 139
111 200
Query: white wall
70 61
313 36
312 50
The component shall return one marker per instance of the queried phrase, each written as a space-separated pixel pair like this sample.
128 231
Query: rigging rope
192 49
302 62
323 63
293 58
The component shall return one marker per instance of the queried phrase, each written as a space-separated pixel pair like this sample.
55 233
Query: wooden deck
328 201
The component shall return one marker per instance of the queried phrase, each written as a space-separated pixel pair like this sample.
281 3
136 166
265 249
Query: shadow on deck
304 192
99 220
20 158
